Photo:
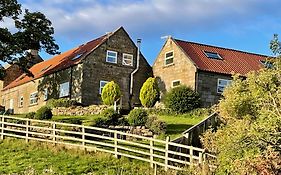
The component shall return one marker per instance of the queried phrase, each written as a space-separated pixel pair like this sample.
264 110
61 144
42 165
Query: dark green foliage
30 115
30 31
149 93
137 117
62 102
110 117
182 99
44 113
155 125
110 93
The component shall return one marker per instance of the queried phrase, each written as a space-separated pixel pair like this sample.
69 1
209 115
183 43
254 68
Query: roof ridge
220 47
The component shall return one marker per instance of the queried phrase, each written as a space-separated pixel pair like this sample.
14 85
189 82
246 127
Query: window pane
169 54
102 84
176 83
64 89
169 61
127 59
113 54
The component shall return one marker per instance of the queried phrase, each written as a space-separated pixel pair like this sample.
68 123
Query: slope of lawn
17 157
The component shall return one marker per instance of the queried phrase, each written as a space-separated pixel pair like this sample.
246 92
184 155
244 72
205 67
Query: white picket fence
156 152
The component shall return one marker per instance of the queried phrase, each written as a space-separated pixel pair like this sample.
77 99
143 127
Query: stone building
81 73
206 69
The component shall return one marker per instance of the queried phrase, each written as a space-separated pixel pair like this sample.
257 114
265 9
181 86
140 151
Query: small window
102 84
127 59
222 84
213 55
45 94
77 56
266 64
111 56
176 83
64 89
169 58
34 98
21 101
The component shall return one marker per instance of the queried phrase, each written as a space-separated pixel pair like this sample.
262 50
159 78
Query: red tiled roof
59 62
233 61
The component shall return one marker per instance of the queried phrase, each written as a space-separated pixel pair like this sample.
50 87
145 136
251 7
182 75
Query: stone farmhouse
206 69
81 73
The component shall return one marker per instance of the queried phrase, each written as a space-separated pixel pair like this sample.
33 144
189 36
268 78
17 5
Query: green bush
137 117
110 93
155 125
44 113
182 99
111 116
149 93
62 102
30 115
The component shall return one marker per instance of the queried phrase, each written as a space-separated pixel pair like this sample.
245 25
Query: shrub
110 93
111 116
62 102
182 99
30 115
149 93
137 117
155 125
44 113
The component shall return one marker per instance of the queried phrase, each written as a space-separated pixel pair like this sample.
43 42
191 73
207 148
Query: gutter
137 68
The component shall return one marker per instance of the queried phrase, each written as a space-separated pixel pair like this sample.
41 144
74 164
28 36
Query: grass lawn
41 158
86 119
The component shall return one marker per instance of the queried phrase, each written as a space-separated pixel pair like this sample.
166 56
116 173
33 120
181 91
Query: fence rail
155 151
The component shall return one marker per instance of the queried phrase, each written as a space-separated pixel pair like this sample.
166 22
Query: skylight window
213 55
77 56
266 64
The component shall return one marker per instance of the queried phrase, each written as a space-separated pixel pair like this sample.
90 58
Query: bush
182 99
44 113
137 117
110 93
155 125
30 115
111 116
62 102
149 93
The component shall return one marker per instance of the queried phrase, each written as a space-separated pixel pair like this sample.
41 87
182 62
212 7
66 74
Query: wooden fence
156 152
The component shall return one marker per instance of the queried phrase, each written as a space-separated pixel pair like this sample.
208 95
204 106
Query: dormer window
111 56
169 58
213 55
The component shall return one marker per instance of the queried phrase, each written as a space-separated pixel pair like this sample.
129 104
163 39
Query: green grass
18 157
86 119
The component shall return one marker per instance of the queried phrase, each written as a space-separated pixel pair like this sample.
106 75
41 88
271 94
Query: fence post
151 152
54 132
166 153
2 127
191 155
83 137
26 131
115 144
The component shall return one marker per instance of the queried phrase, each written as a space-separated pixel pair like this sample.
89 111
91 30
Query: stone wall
79 110
207 83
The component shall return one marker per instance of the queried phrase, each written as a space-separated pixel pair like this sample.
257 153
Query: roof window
213 55
77 56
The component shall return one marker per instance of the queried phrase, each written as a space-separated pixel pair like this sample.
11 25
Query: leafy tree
31 31
149 93
182 99
110 93
249 140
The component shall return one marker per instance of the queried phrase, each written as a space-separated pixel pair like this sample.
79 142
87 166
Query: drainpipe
137 68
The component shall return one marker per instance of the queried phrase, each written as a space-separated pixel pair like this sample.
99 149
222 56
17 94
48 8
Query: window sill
33 104
169 65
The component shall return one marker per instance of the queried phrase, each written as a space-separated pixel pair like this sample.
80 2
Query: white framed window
176 83
222 84
45 94
102 84
111 56
21 101
64 89
33 98
213 55
169 58
127 59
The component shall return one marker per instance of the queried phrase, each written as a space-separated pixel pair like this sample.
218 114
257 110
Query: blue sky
246 25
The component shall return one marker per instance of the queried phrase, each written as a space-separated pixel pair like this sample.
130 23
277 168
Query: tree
149 93
33 31
110 93
249 140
